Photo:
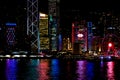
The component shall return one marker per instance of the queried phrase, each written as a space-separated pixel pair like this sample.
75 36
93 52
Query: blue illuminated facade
10 35
90 34
60 41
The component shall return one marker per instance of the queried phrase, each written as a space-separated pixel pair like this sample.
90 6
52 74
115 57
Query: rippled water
55 69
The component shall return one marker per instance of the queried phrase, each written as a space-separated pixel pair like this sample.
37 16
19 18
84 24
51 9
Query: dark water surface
55 69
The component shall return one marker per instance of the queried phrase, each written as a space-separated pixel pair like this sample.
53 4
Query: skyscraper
53 11
44 32
79 37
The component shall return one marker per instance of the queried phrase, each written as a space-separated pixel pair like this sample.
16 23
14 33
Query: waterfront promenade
62 57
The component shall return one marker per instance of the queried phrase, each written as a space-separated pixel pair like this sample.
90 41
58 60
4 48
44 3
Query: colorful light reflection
11 69
44 68
55 69
85 70
110 71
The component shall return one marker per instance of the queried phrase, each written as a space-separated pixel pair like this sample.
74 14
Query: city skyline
69 11
61 18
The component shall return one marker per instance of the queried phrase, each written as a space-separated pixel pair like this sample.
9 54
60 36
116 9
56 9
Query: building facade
79 38
53 11
11 35
44 32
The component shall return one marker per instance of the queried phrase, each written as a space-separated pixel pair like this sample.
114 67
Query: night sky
83 7
13 7
11 10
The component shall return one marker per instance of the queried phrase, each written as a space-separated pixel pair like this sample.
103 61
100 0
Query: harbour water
57 69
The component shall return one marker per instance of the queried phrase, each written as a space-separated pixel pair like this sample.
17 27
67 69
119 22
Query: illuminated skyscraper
90 35
53 12
79 37
10 35
33 24
44 32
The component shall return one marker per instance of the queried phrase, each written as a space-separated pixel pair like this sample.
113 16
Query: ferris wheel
110 44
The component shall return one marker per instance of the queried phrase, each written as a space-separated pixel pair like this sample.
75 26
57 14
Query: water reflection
90 70
32 72
55 69
110 71
2 70
102 73
43 69
11 69
69 70
85 70
28 69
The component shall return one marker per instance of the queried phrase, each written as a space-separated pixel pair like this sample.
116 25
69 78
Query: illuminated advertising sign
10 24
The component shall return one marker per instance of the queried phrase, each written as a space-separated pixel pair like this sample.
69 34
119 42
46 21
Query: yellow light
42 15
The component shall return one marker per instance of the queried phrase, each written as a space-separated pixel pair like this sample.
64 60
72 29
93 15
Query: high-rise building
44 32
90 35
10 35
79 38
53 11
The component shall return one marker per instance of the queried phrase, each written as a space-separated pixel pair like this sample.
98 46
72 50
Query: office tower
44 32
90 35
79 37
53 11
33 24
10 35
